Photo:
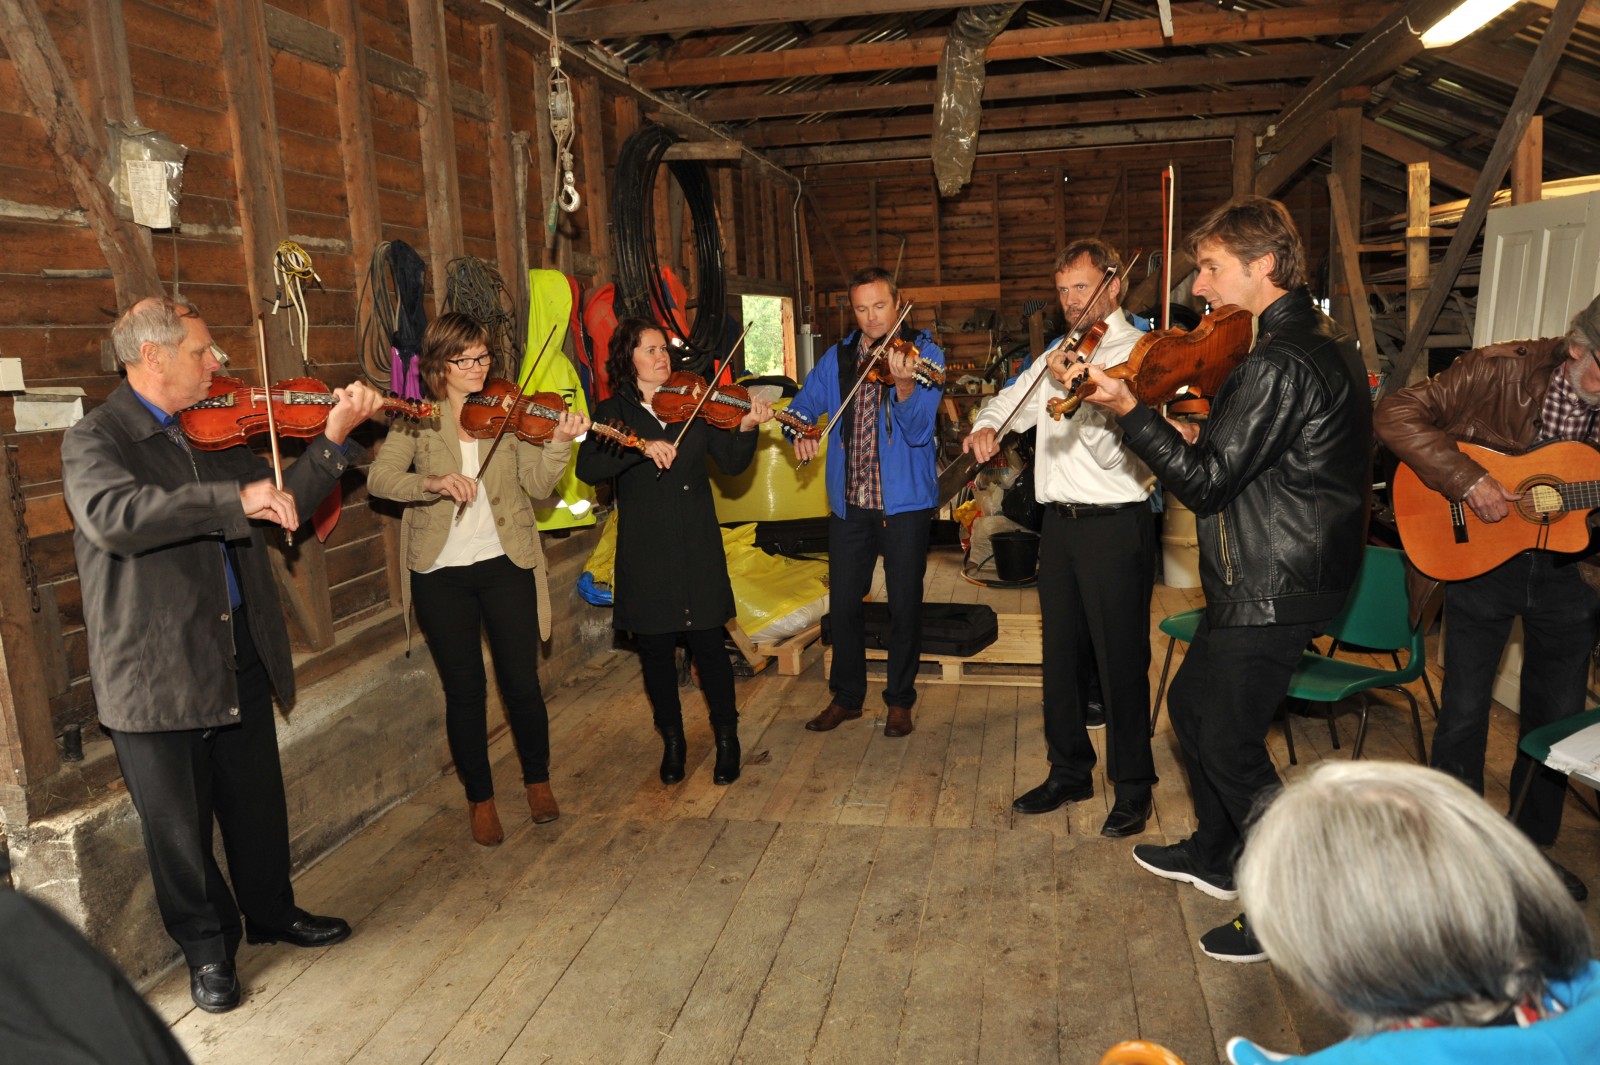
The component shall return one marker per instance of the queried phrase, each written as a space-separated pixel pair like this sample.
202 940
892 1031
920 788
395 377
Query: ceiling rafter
1199 29
1112 77
1165 106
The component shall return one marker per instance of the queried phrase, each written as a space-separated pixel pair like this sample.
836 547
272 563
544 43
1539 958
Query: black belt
1091 510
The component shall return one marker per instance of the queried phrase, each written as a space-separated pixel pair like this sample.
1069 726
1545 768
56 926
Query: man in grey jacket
1278 480
187 644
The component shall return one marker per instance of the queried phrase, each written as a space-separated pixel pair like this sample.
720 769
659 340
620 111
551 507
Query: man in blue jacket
882 493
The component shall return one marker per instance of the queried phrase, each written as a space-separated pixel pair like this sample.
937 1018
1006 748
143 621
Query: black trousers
658 660
455 606
1560 620
1223 700
1096 576
181 782
854 543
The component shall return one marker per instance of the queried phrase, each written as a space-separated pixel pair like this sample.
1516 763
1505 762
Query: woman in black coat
671 579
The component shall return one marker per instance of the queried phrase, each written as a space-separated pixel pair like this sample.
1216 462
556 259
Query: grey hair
1392 892
156 320
1584 330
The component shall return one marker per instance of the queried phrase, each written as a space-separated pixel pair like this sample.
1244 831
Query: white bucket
1180 546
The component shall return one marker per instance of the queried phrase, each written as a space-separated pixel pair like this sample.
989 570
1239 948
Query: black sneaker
1177 862
1232 942
1094 716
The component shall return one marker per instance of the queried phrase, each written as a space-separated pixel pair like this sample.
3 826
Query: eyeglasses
467 363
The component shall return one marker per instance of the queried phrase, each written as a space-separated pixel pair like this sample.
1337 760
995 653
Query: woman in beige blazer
485 571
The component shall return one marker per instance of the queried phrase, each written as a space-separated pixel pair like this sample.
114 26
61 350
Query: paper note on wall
39 411
147 189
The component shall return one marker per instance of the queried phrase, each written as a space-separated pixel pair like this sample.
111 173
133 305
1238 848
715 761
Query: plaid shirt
863 477
1564 416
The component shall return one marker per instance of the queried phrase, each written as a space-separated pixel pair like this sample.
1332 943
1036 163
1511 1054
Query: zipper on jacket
1227 554
189 454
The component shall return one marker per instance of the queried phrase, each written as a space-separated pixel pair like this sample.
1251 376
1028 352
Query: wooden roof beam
1168 106
1534 83
1004 143
1108 77
1189 29
672 16
1403 149
1377 55
1505 65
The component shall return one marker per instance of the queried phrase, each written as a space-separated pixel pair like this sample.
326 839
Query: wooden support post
725 218
771 254
508 222
1294 154
1349 256
1527 169
441 190
79 148
675 208
597 202
264 217
1347 168
1244 159
27 735
1534 83
355 130
258 170
1418 200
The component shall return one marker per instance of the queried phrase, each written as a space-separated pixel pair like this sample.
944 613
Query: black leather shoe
674 748
308 930
214 987
1569 880
726 770
1051 795
1127 817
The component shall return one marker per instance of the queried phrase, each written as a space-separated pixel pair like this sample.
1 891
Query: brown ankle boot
485 820
542 804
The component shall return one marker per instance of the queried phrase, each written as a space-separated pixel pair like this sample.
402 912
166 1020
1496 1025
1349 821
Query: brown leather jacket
1490 396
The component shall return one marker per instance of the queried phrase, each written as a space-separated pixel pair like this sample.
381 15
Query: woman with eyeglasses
671 581
481 571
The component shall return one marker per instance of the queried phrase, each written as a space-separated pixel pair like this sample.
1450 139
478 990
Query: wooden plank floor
851 898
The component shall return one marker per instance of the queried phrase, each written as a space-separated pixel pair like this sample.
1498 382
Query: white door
1541 265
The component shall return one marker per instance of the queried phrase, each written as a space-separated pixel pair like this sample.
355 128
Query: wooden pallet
1012 661
791 652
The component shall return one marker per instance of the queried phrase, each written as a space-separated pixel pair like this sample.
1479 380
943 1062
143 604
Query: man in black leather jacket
1278 479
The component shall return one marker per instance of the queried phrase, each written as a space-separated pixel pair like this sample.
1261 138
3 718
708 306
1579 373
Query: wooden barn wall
993 246
56 325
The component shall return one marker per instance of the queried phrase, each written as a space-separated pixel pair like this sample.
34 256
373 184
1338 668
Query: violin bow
962 466
711 387
500 433
1169 185
272 422
861 375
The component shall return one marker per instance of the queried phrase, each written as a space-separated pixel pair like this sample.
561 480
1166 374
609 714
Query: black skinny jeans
854 544
455 605
1230 685
658 660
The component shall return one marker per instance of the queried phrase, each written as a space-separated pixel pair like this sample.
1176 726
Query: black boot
727 767
673 749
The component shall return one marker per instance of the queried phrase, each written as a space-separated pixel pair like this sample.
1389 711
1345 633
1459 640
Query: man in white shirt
1096 557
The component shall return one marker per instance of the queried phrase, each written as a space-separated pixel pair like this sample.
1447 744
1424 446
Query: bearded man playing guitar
1508 397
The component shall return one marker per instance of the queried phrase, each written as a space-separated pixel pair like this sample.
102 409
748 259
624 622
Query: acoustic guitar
1559 483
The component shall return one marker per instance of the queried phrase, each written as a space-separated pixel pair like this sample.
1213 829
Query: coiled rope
393 318
291 267
641 290
476 289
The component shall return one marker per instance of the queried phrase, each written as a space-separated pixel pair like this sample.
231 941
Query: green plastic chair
1376 617
1537 744
1178 627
